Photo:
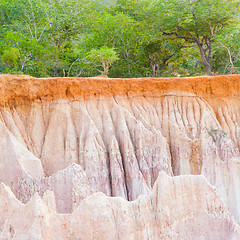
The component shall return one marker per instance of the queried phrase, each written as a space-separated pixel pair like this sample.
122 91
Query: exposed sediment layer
18 89
173 210
74 137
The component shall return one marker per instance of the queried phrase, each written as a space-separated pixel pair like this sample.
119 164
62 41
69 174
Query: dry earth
101 158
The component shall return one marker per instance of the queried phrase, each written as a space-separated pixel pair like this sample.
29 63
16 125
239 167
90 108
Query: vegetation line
120 39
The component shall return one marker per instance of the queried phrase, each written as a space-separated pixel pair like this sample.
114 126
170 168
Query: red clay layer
20 89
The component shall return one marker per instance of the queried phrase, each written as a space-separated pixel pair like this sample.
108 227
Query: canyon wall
95 158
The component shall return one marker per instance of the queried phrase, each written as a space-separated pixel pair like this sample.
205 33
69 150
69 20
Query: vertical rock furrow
123 143
119 158
60 146
8 120
135 182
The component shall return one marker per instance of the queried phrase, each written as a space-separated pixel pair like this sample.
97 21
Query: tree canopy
149 37
106 56
196 21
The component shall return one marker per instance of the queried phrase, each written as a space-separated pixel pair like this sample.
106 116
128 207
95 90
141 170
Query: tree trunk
230 57
153 70
204 59
56 62
105 68
105 71
152 66
36 69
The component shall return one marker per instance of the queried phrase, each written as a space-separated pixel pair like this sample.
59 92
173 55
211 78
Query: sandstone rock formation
116 158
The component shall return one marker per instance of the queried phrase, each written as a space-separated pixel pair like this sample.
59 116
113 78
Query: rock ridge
148 217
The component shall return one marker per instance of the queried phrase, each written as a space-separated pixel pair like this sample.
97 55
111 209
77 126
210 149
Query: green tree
66 22
161 52
10 58
24 26
228 52
123 33
195 21
105 55
46 27
156 37
28 47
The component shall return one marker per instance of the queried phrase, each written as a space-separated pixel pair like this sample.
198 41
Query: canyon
102 158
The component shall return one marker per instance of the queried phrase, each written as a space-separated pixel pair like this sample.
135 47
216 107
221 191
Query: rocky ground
100 158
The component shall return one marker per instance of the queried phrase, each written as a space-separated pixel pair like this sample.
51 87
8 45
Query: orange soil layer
21 89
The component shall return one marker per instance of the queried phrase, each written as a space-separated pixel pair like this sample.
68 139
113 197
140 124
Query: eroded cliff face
67 146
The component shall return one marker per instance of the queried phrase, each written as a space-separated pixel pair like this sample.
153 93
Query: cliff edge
101 158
